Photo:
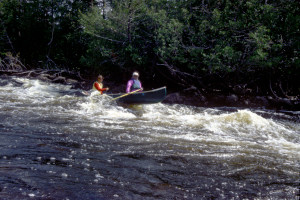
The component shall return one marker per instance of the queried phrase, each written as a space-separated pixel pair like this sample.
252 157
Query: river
58 144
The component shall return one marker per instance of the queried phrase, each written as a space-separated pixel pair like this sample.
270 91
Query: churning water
58 144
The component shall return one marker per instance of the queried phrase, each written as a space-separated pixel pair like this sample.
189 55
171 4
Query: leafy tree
207 44
44 31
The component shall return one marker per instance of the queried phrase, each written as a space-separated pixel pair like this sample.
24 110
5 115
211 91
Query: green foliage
240 39
116 34
43 30
262 44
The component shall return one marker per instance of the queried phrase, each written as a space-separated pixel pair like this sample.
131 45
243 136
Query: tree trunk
129 22
103 8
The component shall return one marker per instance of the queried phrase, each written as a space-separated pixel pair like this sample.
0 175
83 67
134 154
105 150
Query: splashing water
56 143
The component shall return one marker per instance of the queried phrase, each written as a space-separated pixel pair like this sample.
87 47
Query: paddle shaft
124 95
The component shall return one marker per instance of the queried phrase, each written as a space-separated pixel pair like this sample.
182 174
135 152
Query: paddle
124 95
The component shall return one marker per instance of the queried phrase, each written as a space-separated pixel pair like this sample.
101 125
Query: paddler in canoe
98 85
134 83
135 96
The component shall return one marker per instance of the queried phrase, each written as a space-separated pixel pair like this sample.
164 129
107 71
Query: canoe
145 97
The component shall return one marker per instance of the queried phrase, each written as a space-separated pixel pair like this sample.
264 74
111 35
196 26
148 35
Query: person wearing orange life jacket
134 83
98 85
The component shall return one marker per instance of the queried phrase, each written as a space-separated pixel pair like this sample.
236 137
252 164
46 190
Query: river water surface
58 144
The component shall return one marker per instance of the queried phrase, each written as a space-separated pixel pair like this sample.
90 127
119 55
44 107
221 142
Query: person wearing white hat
134 83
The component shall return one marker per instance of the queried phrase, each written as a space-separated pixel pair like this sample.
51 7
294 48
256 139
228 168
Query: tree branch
105 38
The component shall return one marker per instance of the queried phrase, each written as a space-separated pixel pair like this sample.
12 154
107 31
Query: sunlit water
58 144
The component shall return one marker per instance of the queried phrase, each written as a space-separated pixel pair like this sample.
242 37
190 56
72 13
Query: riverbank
232 100
190 96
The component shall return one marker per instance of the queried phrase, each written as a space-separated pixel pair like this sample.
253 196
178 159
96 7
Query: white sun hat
135 74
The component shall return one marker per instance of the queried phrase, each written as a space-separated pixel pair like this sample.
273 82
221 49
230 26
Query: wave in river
229 142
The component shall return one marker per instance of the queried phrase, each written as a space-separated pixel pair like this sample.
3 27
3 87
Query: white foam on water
241 123
101 106
242 126
172 122
38 92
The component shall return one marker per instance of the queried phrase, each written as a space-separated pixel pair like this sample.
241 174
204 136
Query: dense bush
213 45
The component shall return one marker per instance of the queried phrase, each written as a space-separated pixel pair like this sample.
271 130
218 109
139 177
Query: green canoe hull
145 97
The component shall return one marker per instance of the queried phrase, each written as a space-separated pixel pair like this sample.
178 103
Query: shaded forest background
243 47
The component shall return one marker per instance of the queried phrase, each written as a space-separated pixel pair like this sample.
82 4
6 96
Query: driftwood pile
10 65
192 96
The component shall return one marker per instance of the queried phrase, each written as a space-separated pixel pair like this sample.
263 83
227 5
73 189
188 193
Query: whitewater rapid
239 148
